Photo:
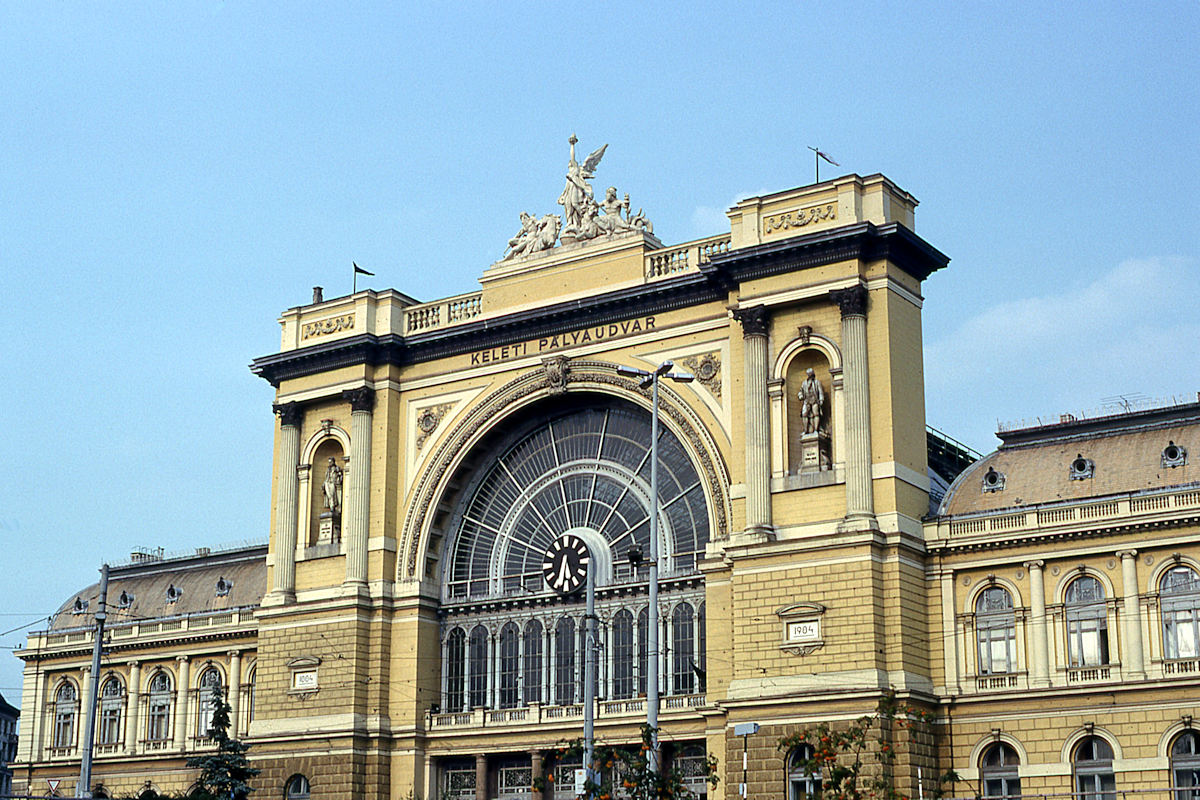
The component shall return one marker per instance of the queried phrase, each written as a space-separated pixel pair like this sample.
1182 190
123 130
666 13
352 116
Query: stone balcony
536 714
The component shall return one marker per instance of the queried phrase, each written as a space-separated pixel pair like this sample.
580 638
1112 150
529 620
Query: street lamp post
651 379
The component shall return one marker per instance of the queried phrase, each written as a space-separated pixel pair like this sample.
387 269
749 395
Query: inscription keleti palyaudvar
596 333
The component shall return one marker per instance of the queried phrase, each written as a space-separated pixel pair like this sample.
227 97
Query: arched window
683 649
65 709
995 631
1092 762
456 661
533 661
622 655
510 665
477 671
802 781
643 632
160 700
564 662
296 788
251 680
998 771
112 703
1185 765
1087 623
1180 590
210 679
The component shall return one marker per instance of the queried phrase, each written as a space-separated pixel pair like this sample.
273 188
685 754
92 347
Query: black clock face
565 564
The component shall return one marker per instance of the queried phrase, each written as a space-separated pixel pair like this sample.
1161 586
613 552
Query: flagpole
354 269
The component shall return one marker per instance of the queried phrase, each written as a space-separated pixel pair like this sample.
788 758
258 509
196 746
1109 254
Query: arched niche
329 442
789 372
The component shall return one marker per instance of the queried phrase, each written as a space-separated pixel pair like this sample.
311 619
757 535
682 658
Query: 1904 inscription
613 330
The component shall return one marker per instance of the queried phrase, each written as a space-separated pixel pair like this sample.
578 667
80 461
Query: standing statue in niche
812 402
331 488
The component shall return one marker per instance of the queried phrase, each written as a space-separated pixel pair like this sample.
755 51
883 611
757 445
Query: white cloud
1130 331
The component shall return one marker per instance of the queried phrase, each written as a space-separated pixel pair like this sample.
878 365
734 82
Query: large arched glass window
66 708
622 655
683 649
995 631
564 662
1180 600
803 782
533 661
998 772
1087 623
210 678
580 470
1185 766
456 661
477 667
112 704
158 708
1092 763
510 665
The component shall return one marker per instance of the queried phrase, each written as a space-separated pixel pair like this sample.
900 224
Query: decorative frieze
323 327
799 218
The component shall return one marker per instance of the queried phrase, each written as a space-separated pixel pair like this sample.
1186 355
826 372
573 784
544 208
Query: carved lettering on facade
325 326
798 219
613 330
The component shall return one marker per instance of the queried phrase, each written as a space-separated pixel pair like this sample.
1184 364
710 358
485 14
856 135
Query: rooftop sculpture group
586 218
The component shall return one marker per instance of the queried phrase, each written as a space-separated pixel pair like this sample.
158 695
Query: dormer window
125 600
1082 468
993 481
223 586
1174 455
80 607
173 593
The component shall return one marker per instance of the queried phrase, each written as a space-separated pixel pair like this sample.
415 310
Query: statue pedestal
327 528
814 452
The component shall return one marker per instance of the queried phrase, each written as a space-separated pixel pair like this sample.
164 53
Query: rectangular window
158 723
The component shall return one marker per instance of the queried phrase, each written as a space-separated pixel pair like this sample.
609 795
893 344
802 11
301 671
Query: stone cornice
711 284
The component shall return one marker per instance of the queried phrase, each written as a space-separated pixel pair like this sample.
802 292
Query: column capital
182 659
1037 564
754 320
1125 555
290 414
234 653
360 399
851 301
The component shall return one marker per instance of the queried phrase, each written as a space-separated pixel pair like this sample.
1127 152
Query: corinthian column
233 694
757 426
182 697
1133 664
860 504
286 504
1039 667
133 698
358 491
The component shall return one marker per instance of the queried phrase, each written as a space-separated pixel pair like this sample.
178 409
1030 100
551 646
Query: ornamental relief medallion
581 375
427 421
707 369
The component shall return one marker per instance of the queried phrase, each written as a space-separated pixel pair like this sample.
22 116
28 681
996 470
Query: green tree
837 753
225 772
624 772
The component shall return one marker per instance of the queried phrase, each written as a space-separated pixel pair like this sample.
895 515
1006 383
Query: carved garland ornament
580 375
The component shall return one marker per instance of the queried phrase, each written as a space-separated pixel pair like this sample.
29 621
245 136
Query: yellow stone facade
405 646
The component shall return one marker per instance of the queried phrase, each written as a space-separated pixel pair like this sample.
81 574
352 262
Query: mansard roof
1077 459
166 587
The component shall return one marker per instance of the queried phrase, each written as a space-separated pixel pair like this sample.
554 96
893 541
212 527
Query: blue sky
173 175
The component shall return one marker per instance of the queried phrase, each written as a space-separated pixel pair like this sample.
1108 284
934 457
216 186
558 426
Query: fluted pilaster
133 698
757 426
233 695
182 700
358 491
286 504
860 502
